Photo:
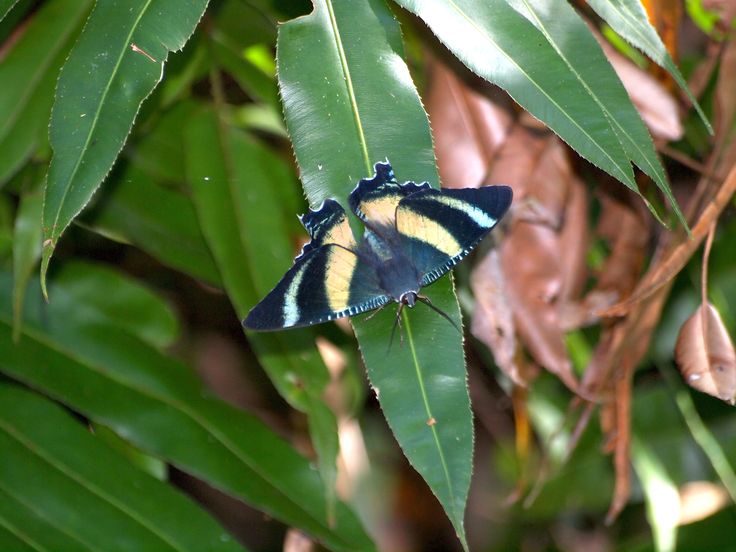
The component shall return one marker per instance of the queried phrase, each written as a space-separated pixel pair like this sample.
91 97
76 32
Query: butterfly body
414 234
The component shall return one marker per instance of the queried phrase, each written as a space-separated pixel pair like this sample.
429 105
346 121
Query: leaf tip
48 249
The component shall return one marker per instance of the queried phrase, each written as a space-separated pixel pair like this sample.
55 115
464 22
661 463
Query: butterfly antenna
424 299
397 322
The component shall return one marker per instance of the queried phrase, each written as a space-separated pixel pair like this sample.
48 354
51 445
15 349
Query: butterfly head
408 298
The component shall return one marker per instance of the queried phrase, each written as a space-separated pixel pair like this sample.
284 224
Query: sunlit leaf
349 102
628 19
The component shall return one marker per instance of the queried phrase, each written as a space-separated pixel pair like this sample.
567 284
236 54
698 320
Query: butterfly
413 235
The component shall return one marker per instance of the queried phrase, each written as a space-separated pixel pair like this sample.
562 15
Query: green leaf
536 63
660 491
63 501
26 250
118 381
28 74
132 308
233 180
349 102
114 66
571 39
629 19
131 211
158 150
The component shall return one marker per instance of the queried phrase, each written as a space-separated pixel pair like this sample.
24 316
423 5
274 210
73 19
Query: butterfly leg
397 322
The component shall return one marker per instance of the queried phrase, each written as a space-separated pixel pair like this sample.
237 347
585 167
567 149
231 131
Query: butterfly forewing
439 228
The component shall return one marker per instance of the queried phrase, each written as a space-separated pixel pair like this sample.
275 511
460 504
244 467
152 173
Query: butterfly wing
374 200
328 280
439 228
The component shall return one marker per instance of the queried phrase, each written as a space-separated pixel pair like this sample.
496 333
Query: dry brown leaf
493 320
574 240
468 128
665 270
655 103
534 162
706 355
627 232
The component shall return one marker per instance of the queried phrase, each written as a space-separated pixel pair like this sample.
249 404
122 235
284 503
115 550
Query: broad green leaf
135 209
132 307
151 465
119 381
629 19
29 74
349 102
116 63
233 180
69 491
159 150
501 45
570 37
26 250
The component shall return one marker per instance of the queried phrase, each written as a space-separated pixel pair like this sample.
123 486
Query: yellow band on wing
381 210
429 231
338 276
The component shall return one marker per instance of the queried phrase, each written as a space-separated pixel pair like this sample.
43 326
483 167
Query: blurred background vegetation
136 414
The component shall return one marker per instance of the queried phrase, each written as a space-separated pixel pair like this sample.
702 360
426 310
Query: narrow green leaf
503 47
571 39
233 180
66 480
132 307
29 74
131 210
662 498
26 251
114 66
349 102
629 19
118 381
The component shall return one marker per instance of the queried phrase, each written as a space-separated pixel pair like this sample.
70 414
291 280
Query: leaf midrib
428 410
349 83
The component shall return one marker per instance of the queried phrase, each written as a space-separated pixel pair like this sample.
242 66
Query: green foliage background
146 163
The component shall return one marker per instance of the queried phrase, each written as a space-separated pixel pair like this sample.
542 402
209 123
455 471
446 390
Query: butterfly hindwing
328 280
439 228
327 224
374 200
